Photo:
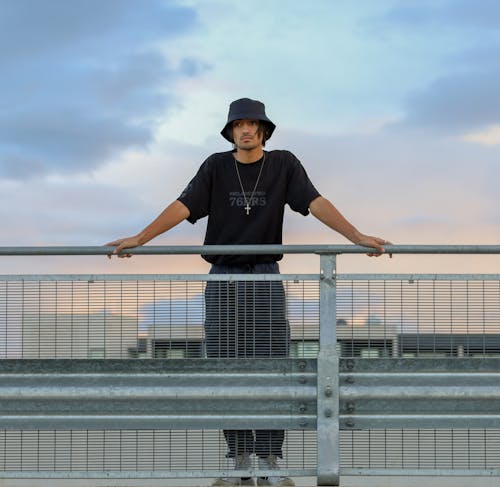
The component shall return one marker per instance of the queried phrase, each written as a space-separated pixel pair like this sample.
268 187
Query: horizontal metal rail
421 472
419 277
152 474
268 393
245 277
159 277
420 393
251 249
148 394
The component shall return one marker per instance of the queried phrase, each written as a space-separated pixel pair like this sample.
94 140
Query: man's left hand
376 243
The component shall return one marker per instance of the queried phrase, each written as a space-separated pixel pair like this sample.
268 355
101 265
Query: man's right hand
123 243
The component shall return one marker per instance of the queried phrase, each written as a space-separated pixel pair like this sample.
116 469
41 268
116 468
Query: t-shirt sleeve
196 195
300 189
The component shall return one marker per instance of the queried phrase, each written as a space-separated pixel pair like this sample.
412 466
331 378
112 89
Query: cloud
452 47
489 136
185 307
484 14
456 102
408 187
66 213
83 28
84 80
415 221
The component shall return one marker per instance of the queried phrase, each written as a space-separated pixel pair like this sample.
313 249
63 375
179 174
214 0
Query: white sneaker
271 463
242 462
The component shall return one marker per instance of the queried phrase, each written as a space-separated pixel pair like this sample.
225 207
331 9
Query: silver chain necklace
247 202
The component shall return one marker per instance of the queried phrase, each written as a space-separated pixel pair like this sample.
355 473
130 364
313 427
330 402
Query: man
243 192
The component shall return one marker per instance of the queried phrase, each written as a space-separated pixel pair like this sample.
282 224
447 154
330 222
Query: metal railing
385 374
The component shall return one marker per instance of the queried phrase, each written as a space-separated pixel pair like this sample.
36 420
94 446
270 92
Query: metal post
328 377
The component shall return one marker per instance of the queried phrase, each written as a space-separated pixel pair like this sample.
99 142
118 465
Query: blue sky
108 107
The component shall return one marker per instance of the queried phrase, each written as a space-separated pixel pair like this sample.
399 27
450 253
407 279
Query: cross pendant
247 208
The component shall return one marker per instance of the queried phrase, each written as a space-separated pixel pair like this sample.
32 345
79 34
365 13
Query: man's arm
325 212
171 216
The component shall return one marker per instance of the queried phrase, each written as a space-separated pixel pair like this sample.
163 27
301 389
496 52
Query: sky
108 107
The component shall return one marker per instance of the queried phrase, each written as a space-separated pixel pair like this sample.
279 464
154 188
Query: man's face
246 134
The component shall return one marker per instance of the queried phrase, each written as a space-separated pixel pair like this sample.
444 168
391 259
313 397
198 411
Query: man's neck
249 156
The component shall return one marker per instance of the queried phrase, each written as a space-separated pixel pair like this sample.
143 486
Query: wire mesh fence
425 449
162 318
377 316
418 316
134 451
205 450
136 317
88 317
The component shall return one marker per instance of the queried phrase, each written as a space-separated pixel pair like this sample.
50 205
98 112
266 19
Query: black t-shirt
216 191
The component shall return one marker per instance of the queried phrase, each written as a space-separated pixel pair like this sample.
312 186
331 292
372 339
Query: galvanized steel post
328 377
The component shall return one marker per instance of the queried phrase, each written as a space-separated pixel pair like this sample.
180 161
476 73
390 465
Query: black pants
247 319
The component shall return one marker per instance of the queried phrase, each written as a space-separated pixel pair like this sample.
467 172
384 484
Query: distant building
106 335
94 335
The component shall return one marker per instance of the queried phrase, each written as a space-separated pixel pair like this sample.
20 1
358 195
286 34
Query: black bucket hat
248 109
